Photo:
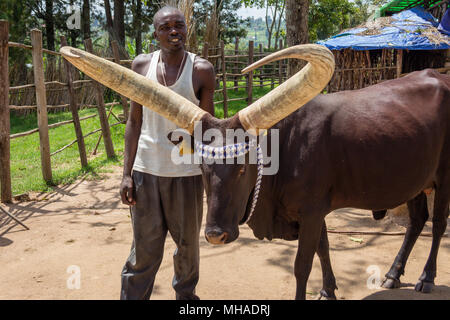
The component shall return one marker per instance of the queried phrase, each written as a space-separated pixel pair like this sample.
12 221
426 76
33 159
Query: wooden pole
399 62
236 65
261 70
5 157
250 74
41 102
280 65
224 77
106 132
205 51
123 99
74 109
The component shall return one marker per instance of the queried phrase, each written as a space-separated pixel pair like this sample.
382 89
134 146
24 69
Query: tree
329 17
86 19
274 16
296 29
229 24
119 21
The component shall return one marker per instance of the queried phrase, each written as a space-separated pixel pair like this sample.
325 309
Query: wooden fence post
250 74
261 69
41 102
123 99
74 109
280 66
224 77
399 62
205 51
236 65
5 157
106 132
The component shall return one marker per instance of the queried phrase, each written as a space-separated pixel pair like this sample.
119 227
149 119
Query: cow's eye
242 171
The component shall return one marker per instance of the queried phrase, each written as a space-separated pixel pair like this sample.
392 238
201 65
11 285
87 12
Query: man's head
170 28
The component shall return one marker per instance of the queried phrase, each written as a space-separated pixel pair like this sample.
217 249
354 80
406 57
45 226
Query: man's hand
126 191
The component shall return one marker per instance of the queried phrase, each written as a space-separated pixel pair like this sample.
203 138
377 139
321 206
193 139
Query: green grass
235 106
26 174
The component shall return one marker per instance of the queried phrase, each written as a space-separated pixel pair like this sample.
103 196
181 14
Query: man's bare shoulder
204 70
141 62
203 65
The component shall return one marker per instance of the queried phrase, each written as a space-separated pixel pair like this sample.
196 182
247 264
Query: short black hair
166 8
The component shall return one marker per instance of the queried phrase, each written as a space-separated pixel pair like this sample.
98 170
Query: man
164 196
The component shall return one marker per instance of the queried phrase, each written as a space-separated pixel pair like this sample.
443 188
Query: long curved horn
294 93
136 87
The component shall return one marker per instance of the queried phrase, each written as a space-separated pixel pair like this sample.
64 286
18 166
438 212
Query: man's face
170 30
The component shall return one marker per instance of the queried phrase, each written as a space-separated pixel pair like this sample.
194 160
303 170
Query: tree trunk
296 29
119 21
280 18
86 16
109 20
49 25
72 33
138 27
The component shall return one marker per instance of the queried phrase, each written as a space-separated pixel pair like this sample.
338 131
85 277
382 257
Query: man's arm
204 70
132 132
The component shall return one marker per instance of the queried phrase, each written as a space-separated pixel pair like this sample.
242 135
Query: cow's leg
440 215
418 215
329 281
308 243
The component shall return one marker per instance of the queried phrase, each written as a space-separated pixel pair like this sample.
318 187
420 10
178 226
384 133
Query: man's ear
155 35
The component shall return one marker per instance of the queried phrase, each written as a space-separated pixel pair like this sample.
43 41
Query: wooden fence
42 108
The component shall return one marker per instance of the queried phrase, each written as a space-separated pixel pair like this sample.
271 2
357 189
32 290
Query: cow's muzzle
216 236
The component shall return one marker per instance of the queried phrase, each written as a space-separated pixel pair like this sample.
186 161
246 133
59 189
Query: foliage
230 24
26 172
329 17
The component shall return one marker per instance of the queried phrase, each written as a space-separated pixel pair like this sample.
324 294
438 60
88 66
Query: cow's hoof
424 286
390 283
326 296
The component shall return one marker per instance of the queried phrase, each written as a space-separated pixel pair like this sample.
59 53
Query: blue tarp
404 33
444 26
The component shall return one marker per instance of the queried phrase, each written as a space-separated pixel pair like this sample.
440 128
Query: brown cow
338 150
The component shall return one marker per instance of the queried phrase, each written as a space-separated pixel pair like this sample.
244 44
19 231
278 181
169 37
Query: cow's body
373 148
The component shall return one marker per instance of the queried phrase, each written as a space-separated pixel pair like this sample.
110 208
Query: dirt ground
84 227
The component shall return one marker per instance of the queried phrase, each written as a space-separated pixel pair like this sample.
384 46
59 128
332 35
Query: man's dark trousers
164 204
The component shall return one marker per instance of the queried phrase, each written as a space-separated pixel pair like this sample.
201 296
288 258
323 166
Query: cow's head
229 187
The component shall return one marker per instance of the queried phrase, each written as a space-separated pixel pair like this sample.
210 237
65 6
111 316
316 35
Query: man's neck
172 58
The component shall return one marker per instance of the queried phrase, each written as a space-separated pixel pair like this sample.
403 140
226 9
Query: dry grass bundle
212 27
434 36
376 26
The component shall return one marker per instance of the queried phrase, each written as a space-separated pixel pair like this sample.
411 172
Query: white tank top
154 149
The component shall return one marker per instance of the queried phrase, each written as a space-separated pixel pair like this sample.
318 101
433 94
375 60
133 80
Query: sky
251 12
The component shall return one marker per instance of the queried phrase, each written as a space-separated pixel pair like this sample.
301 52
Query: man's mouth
175 40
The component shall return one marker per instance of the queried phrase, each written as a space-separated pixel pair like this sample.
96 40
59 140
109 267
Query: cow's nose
215 237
